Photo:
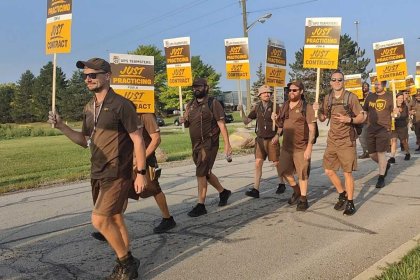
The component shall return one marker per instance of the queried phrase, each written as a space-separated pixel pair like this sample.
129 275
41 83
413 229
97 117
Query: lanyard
95 120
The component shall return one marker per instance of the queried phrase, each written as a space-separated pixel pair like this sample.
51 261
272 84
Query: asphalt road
45 234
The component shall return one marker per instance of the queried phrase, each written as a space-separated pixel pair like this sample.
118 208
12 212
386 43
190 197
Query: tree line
29 99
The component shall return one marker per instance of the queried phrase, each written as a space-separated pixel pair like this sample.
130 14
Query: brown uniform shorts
264 148
110 195
378 141
204 157
400 133
336 157
294 163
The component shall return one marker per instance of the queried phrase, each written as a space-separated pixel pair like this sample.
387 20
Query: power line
283 7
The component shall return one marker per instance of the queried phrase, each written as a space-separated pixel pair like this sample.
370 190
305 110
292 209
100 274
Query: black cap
95 63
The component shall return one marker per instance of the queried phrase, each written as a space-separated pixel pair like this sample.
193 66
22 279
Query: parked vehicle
160 121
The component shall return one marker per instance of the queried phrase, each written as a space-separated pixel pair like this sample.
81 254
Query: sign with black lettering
178 61
390 60
133 77
275 67
58 30
237 59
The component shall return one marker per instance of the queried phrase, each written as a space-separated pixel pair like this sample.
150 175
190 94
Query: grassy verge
408 268
30 162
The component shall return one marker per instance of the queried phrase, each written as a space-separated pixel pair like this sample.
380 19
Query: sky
100 27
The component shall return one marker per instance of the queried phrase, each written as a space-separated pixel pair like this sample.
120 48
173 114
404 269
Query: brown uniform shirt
402 120
262 115
111 146
295 128
379 109
341 134
202 122
149 124
415 105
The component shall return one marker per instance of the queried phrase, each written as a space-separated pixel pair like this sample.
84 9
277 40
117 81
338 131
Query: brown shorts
152 187
110 195
378 141
294 163
400 133
336 157
204 157
264 148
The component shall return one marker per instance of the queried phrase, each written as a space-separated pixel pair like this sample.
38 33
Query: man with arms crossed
341 140
110 130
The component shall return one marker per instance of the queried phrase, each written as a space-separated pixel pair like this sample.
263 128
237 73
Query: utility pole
245 27
357 36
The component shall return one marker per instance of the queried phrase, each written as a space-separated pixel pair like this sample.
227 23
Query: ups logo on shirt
379 105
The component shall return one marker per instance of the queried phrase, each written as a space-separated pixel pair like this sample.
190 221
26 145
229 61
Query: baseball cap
200 82
95 63
264 88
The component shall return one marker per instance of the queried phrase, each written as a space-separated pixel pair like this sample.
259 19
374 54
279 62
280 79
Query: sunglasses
91 75
294 89
336 80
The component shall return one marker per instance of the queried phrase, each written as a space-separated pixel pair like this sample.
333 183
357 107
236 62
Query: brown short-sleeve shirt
111 146
295 128
263 118
415 105
149 124
379 109
341 134
202 122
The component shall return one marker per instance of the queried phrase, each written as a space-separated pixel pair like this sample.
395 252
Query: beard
199 94
294 98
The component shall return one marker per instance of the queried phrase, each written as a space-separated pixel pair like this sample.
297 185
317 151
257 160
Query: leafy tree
350 61
7 92
75 97
259 82
42 93
169 97
22 99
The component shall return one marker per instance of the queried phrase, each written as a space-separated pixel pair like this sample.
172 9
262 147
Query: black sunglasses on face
91 75
336 80
294 89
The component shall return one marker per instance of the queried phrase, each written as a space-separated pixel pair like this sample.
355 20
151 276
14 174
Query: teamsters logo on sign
133 77
58 30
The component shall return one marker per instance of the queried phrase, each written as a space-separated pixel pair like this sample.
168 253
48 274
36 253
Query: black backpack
357 127
285 115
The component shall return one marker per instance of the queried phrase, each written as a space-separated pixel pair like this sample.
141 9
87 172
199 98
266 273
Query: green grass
408 268
30 162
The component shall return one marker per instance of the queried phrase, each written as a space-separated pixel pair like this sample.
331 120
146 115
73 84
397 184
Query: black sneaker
253 193
391 160
381 182
302 205
281 188
342 199
364 155
407 157
165 225
224 196
350 209
388 166
293 199
129 269
98 236
198 210
418 149
116 272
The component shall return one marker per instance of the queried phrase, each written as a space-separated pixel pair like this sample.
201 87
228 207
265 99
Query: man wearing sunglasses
110 130
341 140
297 124
267 140
379 109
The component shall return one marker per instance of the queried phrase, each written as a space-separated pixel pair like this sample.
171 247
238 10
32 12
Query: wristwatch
142 171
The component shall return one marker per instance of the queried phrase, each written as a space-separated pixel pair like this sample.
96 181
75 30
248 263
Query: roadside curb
395 256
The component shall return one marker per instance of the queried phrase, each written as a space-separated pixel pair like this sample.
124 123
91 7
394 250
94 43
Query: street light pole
248 82
357 36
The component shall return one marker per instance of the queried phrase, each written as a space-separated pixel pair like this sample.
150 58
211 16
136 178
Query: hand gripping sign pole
322 41
57 34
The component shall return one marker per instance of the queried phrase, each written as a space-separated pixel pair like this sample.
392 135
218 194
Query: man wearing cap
267 140
296 123
204 116
415 112
110 130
